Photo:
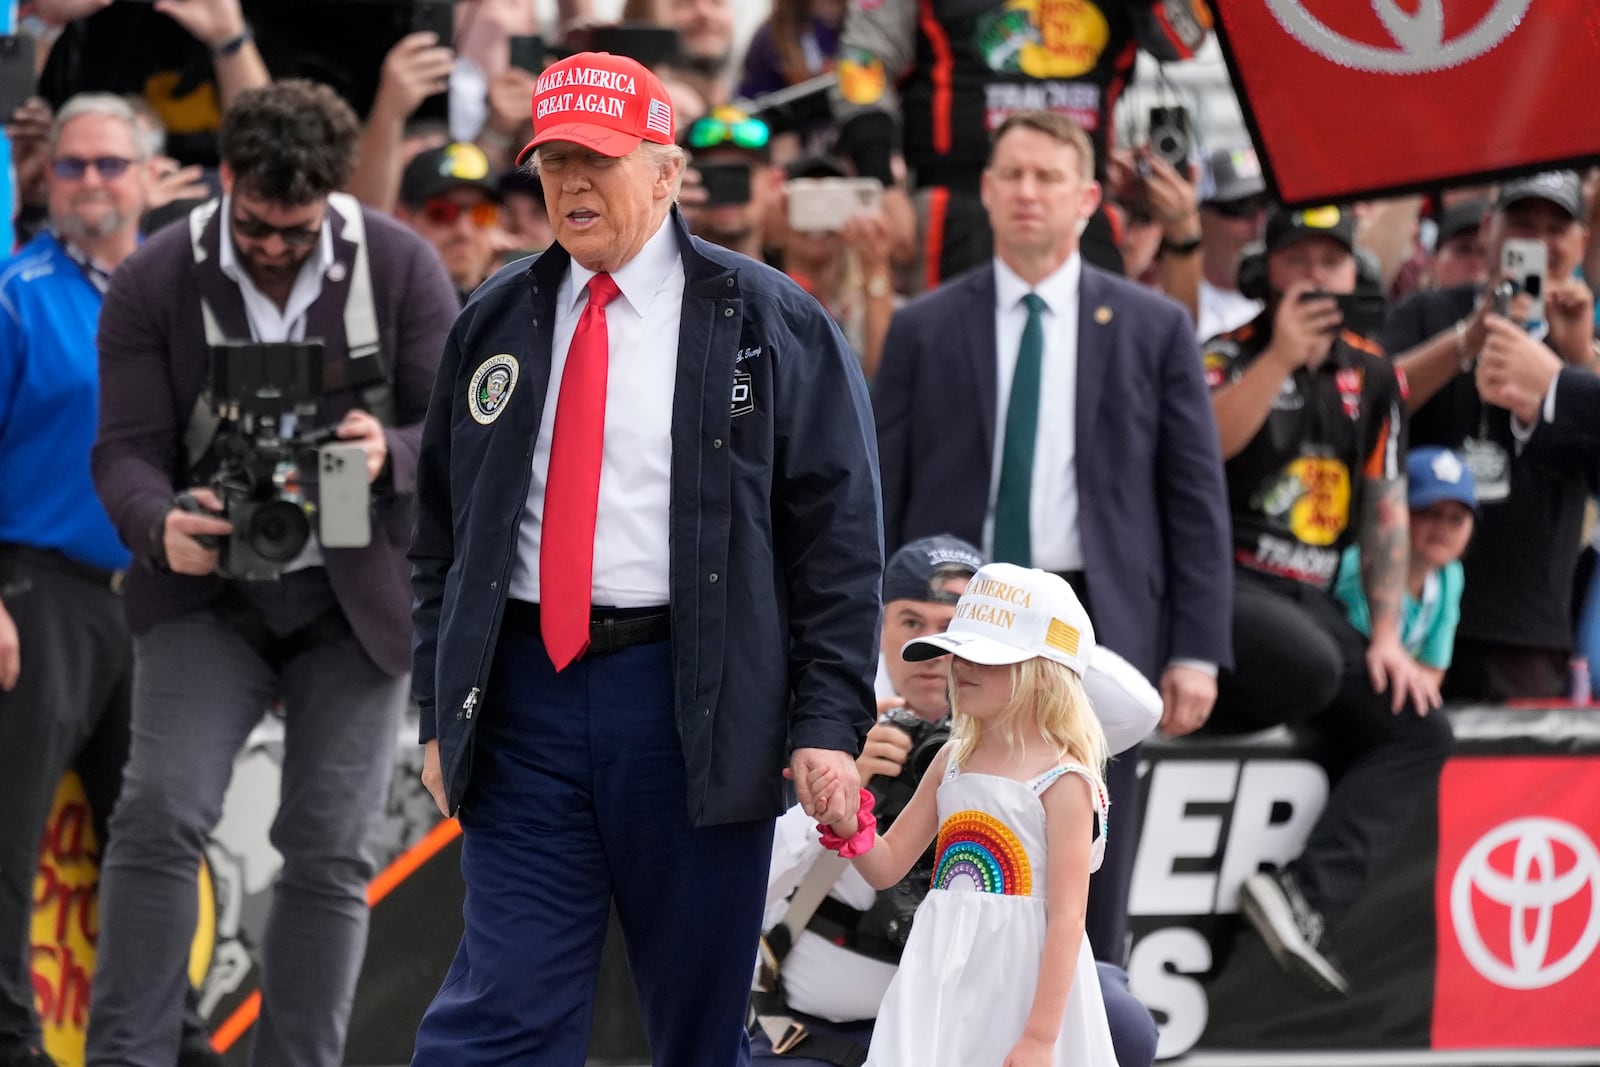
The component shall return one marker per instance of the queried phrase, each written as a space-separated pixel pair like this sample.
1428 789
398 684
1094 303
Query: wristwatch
878 286
1181 248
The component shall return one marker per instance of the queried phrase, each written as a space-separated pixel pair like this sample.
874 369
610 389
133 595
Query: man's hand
509 93
1303 330
1171 199
170 182
1393 670
185 555
360 428
1187 696
1569 309
887 747
29 130
1514 370
211 22
10 651
842 800
868 237
433 776
416 68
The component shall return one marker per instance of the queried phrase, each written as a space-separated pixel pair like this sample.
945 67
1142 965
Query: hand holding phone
821 205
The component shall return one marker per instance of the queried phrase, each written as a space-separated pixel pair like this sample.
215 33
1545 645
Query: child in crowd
1444 504
997 968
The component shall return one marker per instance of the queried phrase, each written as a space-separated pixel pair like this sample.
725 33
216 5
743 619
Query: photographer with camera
1516 611
280 260
1312 425
832 944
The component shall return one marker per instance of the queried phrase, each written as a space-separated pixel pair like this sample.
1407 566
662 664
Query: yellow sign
1322 511
861 78
1072 36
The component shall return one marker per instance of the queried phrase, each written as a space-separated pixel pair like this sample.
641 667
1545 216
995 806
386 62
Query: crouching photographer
833 944
274 351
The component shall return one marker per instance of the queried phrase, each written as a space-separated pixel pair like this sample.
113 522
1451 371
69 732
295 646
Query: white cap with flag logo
1009 614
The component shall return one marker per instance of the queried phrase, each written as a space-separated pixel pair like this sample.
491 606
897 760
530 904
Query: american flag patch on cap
660 118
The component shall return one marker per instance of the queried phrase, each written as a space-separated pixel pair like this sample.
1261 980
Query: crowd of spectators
842 148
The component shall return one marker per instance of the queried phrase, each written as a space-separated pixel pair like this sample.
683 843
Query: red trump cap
603 102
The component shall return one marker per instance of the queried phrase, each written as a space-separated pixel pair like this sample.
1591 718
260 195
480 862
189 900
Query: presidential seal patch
491 386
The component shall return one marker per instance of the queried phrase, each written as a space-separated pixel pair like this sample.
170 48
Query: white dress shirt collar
1059 290
640 278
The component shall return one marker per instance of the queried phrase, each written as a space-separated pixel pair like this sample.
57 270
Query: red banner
1348 98
1517 902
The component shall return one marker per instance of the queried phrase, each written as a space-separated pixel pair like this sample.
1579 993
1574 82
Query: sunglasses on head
442 211
1238 209
296 236
72 168
711 131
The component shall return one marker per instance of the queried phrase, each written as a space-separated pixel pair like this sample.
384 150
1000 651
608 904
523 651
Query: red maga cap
603 102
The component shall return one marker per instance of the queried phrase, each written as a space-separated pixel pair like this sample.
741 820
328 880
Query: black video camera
267 478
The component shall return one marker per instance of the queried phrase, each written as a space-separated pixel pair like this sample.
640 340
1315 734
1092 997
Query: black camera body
1169 136
891 795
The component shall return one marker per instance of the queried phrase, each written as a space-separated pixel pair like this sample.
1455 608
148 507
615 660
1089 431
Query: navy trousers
578 797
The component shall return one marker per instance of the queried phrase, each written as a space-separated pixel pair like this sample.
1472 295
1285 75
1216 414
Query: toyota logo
1532 889
1419 37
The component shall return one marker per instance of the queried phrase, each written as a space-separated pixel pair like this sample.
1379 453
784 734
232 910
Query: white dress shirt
1053 506
1222 310
270 324
630 532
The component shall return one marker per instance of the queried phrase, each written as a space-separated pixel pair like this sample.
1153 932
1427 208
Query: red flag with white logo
1348 98
1517 903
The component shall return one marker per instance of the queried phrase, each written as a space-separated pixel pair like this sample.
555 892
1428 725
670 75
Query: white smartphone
344 501
1525 262
821 205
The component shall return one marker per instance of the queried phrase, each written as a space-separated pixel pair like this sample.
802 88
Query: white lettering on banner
1420 36
1533 888
1301 562
1157 972
585 78
1173 835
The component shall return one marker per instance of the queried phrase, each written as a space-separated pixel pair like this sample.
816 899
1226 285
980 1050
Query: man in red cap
647 564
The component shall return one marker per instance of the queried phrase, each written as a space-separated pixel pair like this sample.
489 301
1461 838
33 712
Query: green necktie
1013 541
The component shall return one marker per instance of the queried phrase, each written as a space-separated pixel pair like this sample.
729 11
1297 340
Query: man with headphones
1312 423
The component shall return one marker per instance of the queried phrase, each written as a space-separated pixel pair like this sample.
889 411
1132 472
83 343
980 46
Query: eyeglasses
73 168
442 211
294 236
737 129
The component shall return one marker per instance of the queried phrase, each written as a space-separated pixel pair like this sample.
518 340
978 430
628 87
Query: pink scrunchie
862 840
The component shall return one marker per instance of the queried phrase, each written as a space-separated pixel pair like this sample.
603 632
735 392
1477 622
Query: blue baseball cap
1436 474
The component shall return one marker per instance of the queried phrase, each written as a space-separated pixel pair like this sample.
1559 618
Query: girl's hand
819 781
1030 1052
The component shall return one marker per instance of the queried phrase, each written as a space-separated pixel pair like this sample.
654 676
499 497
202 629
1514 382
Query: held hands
211 22
417 67
1187 696
185 554
1391 668
1514 370
1303 330
827 783
360 428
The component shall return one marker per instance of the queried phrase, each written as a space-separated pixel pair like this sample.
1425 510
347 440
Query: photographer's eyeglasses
729 126
442 211
73 168
294 236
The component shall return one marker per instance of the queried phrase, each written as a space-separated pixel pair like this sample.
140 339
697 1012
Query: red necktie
572 489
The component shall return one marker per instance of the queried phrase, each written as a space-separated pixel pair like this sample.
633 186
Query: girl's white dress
965 986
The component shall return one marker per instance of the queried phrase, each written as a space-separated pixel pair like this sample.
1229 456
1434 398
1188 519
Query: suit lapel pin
1102 314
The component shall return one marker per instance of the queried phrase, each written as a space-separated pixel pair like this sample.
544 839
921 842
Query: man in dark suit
1089 446
280 258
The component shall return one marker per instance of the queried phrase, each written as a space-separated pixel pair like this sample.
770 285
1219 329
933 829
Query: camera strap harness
362 342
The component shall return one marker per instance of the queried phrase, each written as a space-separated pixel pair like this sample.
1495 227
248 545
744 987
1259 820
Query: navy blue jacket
775 536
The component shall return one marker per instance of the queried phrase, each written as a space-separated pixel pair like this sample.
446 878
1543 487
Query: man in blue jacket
647 567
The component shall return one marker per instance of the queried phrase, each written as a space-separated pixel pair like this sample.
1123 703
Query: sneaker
22 1054
1292 929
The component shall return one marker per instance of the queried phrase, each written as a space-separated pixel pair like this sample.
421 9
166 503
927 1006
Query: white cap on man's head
1009 614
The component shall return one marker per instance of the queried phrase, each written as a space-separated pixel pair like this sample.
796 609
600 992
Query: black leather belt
610 629
50 559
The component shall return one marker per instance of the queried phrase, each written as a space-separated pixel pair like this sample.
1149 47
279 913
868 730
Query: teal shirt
1428 628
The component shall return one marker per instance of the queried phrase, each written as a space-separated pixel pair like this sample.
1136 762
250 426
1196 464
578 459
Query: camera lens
278 531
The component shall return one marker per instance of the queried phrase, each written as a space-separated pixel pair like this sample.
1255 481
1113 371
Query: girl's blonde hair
1049 696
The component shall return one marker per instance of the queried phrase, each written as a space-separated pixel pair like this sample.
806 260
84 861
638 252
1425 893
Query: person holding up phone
1515 633
1312 424
731 185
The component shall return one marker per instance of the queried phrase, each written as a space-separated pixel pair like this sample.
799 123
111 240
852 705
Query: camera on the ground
271 480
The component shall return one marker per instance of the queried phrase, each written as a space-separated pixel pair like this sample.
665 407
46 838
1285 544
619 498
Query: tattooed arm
1385 552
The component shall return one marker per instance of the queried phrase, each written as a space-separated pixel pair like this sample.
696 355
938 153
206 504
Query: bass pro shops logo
1517 898
1419 38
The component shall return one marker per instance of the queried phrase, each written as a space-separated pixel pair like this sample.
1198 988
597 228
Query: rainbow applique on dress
984 849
